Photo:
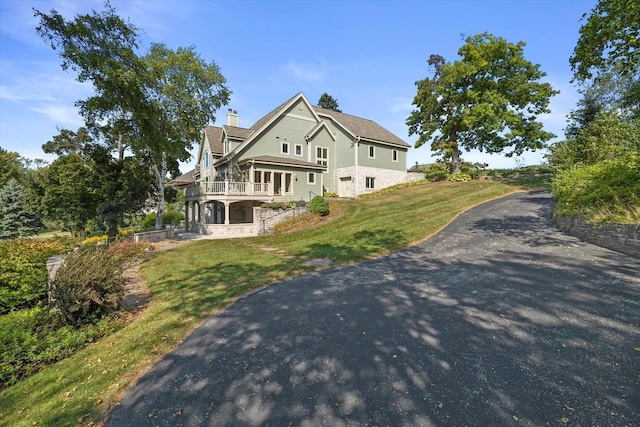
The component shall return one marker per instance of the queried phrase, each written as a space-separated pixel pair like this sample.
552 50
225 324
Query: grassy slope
198 279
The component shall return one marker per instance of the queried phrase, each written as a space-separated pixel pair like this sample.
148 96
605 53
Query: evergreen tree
328 102
15 221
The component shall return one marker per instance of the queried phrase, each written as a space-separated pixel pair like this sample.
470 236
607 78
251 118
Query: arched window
206 159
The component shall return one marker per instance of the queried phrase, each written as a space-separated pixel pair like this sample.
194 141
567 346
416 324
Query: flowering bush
23 270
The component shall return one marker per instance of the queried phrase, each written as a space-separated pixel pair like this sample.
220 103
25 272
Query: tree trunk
160 177
120 148
455 159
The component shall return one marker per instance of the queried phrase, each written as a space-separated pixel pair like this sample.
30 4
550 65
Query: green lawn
198 279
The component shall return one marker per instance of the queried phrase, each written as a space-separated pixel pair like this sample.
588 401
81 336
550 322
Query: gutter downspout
356 146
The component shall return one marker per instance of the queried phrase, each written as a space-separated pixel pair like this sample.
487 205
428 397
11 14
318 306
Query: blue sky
366 54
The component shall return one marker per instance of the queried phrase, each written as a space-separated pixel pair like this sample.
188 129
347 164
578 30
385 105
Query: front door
277 183
346 188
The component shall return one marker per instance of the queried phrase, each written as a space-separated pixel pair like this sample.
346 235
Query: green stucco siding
383 156
285 129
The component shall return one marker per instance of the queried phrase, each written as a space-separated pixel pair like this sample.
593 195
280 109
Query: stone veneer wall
623 238
383 177
415 176
265 219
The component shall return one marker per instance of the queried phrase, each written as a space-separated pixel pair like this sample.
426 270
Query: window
206 159
285 148
394 155
372 152
298 150
227 146
311 178
370 182
322 156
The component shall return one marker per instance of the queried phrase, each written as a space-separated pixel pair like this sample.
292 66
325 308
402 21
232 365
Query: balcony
229 188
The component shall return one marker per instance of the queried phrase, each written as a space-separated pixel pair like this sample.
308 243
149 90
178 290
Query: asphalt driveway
499 319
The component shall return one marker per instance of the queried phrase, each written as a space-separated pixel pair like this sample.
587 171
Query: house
295 152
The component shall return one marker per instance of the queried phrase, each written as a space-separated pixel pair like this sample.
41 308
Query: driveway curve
499 319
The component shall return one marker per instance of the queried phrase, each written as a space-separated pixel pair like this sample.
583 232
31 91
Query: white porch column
226 212
186 216
252 177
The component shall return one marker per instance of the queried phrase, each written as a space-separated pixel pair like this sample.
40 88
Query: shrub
95 239
126 251
23 270
611 187
437 172
34 337
170 217
460 177
319 205
88 286
330 194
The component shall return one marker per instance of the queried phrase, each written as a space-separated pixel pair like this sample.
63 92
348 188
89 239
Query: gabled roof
266 119
364 128
317 128
186 179
234 132
356 126
214 136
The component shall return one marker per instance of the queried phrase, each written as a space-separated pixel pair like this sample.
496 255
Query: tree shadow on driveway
448 332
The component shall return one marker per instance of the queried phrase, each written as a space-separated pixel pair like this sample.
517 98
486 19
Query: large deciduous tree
69 198
10 166
119 186
328 102
153 104
488 100
608 52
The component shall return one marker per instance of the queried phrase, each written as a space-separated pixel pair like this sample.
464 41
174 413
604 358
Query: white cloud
306 72
400 105
63 114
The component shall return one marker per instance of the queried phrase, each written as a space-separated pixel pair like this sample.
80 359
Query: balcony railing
229 188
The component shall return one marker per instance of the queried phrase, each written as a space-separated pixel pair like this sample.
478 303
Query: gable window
227 145
285 148
394 155
311 178
322 156
298 150
370 183
206 159
372 152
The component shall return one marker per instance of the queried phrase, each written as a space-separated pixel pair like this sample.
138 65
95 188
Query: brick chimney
232 118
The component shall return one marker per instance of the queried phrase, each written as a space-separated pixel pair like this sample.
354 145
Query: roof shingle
363 128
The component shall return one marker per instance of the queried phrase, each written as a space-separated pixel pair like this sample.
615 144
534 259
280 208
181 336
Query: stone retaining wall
624 238
265 219
154 236
229 229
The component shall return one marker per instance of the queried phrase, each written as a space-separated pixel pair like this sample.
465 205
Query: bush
605 191
319 205
170 217
330 194
460 177
23 270
34 337
95 239
437 172
88 286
